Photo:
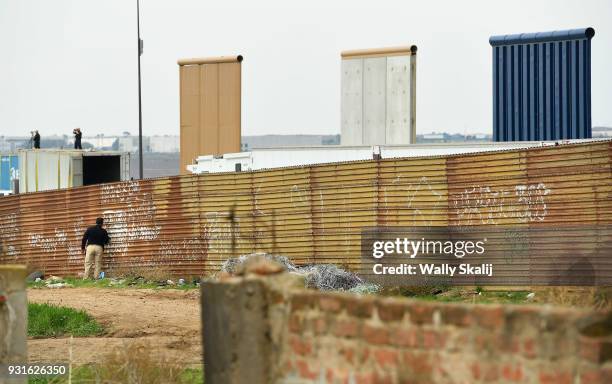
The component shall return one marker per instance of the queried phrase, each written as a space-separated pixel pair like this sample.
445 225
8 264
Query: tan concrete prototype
210 109
210 60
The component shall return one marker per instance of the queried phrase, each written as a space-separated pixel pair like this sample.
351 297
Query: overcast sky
66 64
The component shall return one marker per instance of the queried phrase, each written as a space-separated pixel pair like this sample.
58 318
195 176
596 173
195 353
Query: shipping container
9 171
46 169
210 107
542 85
267 158
378 96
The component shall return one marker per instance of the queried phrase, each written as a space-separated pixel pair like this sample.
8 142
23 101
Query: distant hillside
268 141
155 164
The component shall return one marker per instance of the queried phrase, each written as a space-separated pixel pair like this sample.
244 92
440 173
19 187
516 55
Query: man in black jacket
36 140
77 138
95 238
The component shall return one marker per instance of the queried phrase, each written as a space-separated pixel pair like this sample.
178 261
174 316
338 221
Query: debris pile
234 265
325 277
55 282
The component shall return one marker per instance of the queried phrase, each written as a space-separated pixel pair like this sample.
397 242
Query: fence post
236 332
13 317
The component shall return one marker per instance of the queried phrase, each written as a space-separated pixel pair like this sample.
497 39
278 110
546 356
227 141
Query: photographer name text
434 269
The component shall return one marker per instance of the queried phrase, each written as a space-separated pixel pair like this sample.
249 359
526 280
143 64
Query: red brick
375 335
305 371
590 349
289 367
529 348
606 373
596 350
362 307
405 337
364 378
349 353
519 319
512 372
390 311
476 371
433 339
301 301
591 377
335 375
490 373
560 377
296 324
386 358
457 315
489 317
346 327
382 378
276 297
509 344
485 341
419 363
420 313
458 341
300 346
365 353
319 325
330 304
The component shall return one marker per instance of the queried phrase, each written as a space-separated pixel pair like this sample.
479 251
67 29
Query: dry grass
147 273
135 364
599 298
131 363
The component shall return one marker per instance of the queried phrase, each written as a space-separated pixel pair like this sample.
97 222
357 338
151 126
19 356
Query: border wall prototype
313 214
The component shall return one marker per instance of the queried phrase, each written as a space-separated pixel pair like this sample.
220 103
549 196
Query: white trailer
46 169
263 158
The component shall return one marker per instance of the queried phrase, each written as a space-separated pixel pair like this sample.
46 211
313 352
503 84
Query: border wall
313 214
257 330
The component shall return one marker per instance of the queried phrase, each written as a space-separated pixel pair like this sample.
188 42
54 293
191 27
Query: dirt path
168 320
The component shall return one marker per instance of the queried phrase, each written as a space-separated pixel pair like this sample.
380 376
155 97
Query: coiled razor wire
324 277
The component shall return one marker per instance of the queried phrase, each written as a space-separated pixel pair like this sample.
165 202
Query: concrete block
236 332
13 317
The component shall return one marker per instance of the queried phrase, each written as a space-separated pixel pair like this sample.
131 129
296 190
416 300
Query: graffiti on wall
418 197
133 220
8 236
63 240
484 205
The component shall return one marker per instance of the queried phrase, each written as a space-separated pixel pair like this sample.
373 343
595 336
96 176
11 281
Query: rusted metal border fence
313 214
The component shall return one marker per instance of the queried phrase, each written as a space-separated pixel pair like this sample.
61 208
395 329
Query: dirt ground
168 321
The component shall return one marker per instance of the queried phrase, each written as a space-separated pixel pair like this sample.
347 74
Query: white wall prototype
378 101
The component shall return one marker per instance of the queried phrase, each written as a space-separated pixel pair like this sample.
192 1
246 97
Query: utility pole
139 91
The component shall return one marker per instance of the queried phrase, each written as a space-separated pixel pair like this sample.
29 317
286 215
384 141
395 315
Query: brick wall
342 338
351 339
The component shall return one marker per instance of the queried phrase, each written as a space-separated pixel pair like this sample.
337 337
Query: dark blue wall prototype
542 85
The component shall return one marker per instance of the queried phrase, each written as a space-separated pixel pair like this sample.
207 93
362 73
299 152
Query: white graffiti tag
483 205
133 220
8 236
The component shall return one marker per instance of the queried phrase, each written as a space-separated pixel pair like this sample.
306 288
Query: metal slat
312 214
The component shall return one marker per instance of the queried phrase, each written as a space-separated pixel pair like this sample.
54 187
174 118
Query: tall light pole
139 91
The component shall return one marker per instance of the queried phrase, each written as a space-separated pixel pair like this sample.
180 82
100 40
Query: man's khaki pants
93 261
